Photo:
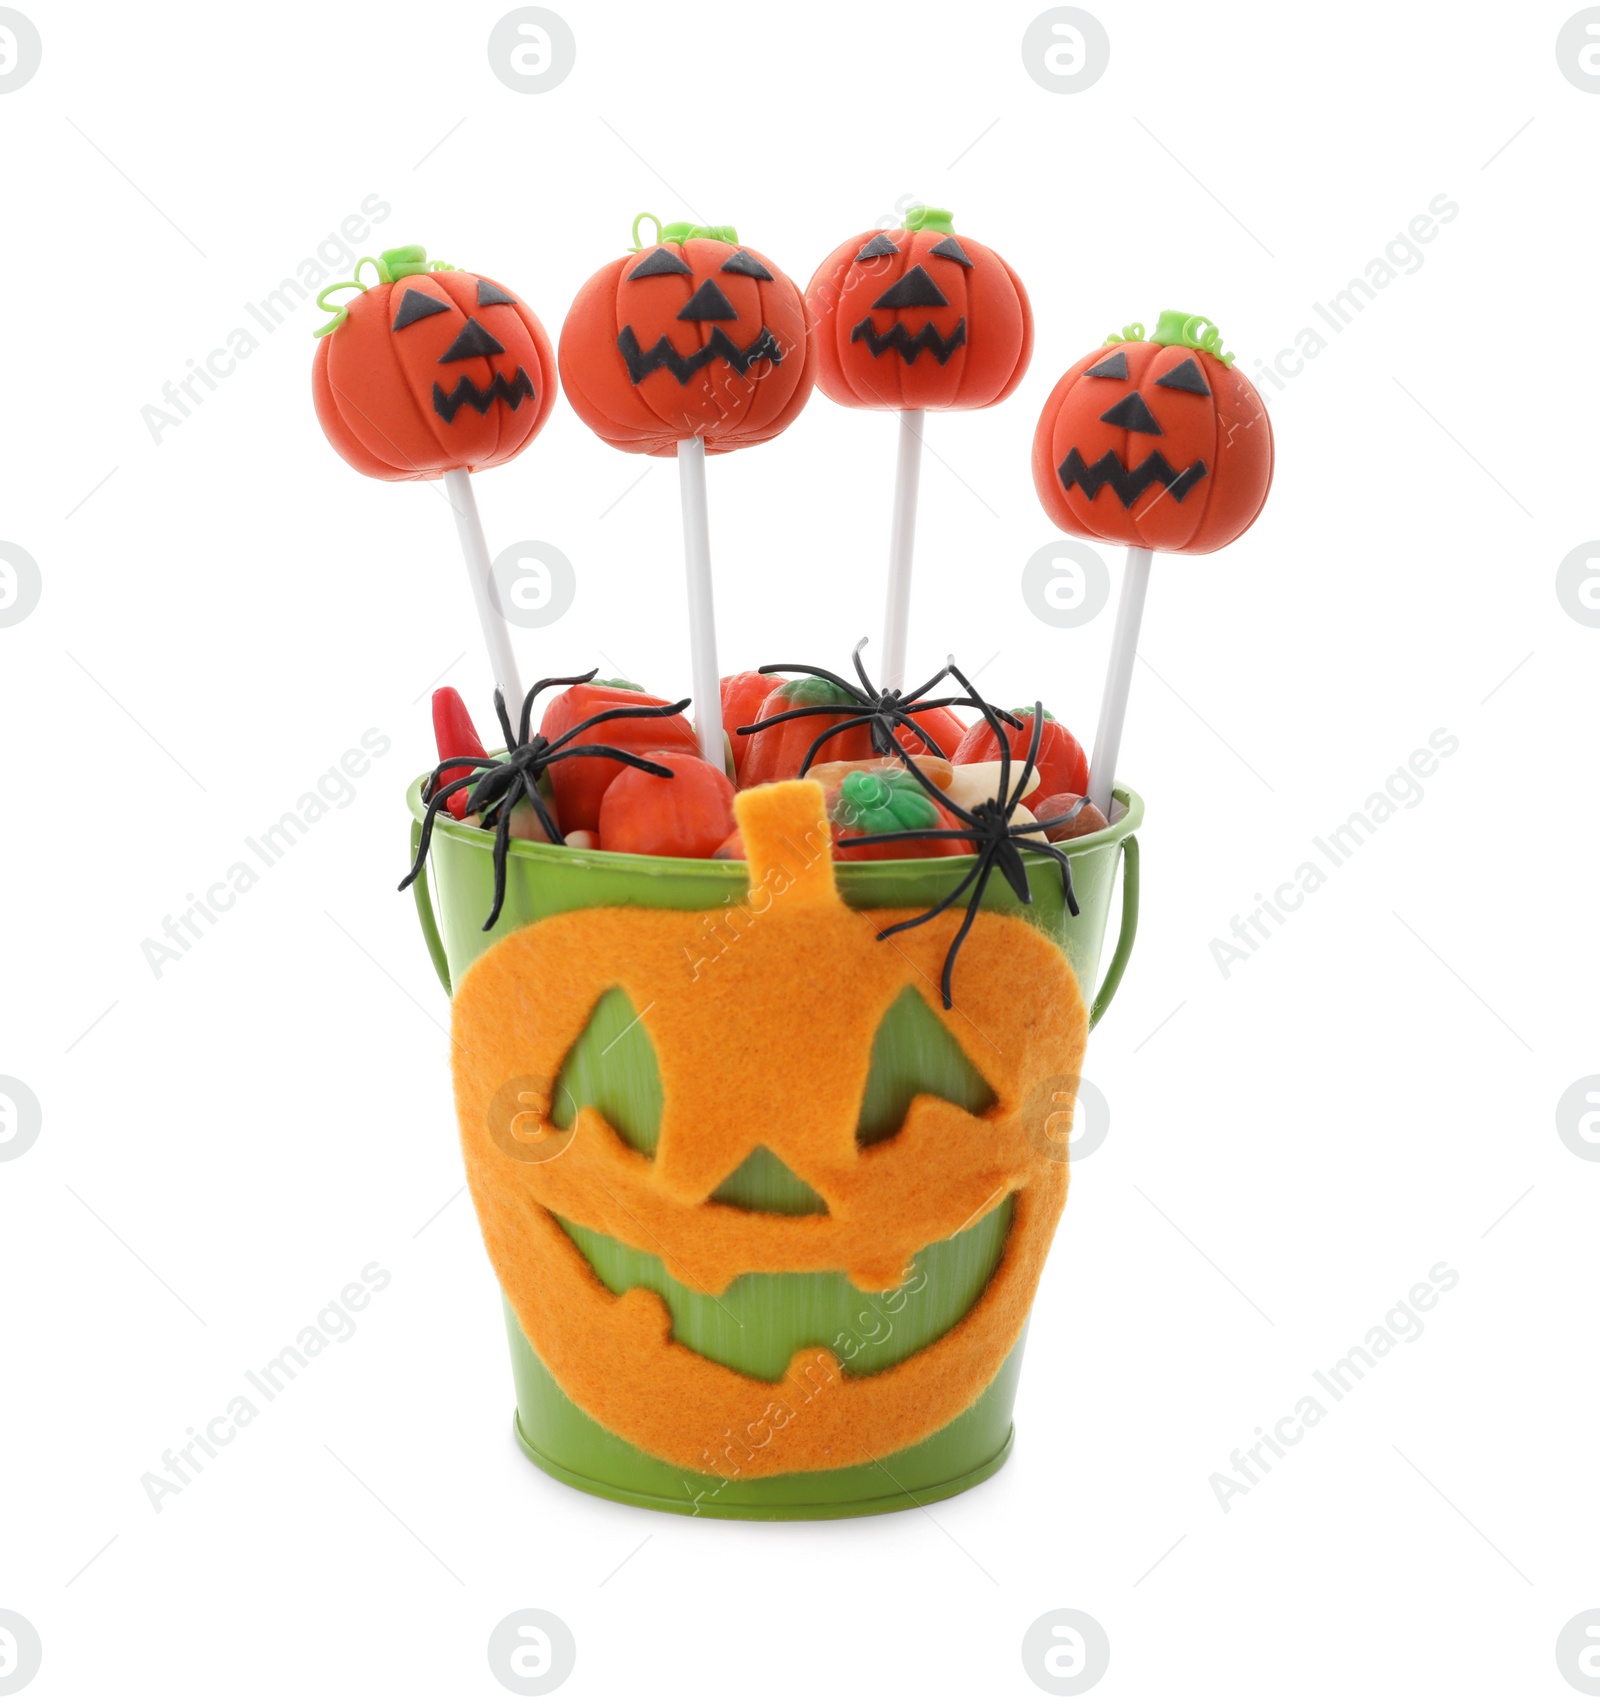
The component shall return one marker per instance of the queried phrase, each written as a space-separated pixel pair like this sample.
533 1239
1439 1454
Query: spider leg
1066 817
772 721
502 843
612 715
949 900
425 839
1030 764
959 812
855 658
932 681
923 735
807 669
505 721
979 702
827 734
955 946
1013 869
632 758
542 811
484 795
1066 878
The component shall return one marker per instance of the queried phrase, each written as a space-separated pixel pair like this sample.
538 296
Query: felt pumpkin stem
680 231
1192 331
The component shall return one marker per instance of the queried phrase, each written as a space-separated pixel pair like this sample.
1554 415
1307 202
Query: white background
1292 1146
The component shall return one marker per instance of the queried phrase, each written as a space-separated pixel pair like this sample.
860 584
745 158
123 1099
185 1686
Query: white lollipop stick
1119 677
703 678
902 536
496 636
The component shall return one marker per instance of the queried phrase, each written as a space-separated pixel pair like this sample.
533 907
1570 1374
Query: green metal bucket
763 1318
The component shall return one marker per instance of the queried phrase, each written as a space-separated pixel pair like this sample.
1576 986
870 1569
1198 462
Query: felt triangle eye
473 340
658 264
492 296
747 265
1113 367
1186 376
414 306
950 249
880 245
915 290
1134 414
708 303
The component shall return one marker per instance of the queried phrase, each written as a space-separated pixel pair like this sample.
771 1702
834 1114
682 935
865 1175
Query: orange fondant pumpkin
696 337
1155 441
431 369
918 318
768 1043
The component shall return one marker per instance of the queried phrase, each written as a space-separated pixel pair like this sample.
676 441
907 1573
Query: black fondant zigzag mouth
897 337
643 362
1128 483
508 391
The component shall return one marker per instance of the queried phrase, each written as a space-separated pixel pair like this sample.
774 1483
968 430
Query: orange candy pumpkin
695 337
1158 442
918 318
429 369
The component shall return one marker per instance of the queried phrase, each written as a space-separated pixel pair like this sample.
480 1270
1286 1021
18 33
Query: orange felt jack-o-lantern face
697 337
919 318
738 1071
431 369
1157 442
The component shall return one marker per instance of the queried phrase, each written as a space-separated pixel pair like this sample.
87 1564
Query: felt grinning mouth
643 362
1128 483
509 391
897 337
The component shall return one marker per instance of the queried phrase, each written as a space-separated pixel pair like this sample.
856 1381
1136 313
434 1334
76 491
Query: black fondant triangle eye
950 249
414 306
880 245
915 290
1134 414
746 264
492 296
1113 367
473 340
658 263
708 303
1186 376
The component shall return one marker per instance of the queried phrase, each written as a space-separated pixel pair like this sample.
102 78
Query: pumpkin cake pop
914 319
1157 443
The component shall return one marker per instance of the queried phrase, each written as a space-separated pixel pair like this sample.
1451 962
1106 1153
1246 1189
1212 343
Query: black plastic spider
499 782
997 841
883 710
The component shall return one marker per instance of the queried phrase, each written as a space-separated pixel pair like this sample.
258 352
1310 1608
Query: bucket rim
654 864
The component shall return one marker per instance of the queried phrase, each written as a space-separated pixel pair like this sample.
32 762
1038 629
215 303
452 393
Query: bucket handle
430 924
1126 931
